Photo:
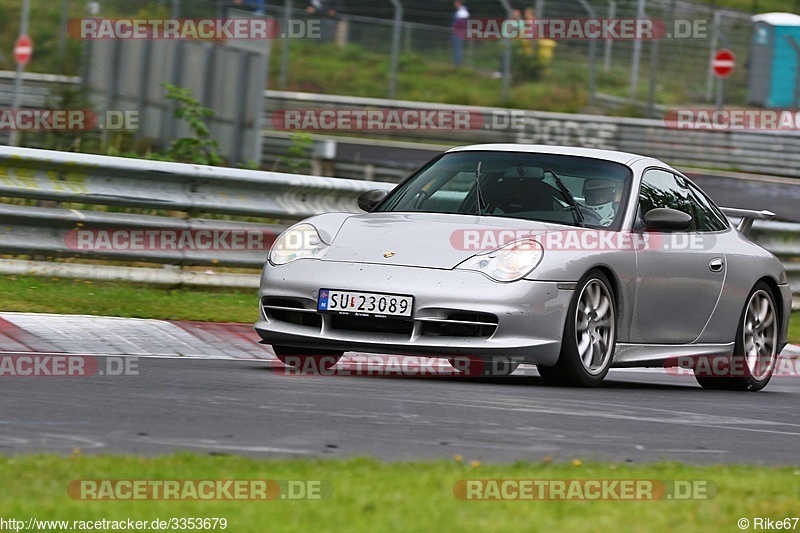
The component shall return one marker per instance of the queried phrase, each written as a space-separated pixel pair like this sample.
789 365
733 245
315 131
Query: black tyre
755 351
590 334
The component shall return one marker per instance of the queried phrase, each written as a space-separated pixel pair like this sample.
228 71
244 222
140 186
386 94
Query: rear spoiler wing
747 217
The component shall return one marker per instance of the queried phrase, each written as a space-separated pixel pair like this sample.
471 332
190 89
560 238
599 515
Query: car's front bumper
455 312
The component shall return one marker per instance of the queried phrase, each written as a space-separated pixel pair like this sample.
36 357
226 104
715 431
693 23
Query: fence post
714 44
287 10
397 28
651 93
23 30
506 56
612 10
592 52
637 54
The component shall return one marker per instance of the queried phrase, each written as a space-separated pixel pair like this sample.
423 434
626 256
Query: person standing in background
258 6
459 26
329 10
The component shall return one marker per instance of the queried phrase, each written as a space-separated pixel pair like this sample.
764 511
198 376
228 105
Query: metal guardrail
93 187
766 152
90 188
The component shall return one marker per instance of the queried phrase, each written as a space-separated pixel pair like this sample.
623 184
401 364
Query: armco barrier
775 153
180 190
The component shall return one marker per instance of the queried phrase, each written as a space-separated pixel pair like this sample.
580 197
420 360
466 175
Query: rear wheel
313 361
587 347
755 351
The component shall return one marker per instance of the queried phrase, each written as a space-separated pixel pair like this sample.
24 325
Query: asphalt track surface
243 403
252 407
777 194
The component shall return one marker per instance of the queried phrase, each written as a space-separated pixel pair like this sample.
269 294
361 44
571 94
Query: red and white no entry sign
23 50
723 63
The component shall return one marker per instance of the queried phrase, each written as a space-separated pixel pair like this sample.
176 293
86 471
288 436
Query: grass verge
78 297
111 298
369 495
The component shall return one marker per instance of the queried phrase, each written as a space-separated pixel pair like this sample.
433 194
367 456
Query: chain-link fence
625 75
642 75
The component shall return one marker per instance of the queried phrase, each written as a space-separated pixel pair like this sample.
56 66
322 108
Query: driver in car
601 197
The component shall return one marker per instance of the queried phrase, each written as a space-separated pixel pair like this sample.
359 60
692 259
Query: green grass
368 495
794 328
54 295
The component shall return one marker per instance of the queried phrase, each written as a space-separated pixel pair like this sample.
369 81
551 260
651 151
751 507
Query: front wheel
755 351
311 361
587 347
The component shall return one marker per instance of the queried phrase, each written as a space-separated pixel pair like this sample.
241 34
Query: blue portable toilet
774 73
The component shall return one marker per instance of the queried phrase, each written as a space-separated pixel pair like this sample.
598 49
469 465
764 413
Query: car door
680 274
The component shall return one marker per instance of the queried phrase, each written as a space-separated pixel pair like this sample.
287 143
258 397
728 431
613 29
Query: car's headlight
297 242
507 263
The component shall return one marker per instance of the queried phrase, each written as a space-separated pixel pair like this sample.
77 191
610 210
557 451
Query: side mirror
664 218
369 200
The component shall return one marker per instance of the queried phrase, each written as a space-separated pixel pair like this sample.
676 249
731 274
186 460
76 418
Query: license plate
364 303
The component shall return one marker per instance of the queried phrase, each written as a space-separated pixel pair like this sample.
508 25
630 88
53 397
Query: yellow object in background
546 49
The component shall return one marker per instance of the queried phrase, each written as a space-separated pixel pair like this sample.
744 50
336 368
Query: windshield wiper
570 199
478 196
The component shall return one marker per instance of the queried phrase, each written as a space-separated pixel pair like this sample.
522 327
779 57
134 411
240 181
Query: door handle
716 265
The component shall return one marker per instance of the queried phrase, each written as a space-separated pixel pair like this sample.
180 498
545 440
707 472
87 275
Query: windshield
517 185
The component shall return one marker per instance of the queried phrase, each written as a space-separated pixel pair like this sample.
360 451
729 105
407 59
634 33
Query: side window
707 216
664 189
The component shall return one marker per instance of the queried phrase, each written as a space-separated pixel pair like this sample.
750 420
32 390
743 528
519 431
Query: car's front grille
460 324
292 311
444 323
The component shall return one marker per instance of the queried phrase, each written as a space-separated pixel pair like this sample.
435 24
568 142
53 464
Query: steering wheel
592 218
592 214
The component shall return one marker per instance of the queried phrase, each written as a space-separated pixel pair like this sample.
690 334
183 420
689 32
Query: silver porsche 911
575 260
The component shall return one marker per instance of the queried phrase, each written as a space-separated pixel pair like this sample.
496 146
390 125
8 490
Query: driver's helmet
599 196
